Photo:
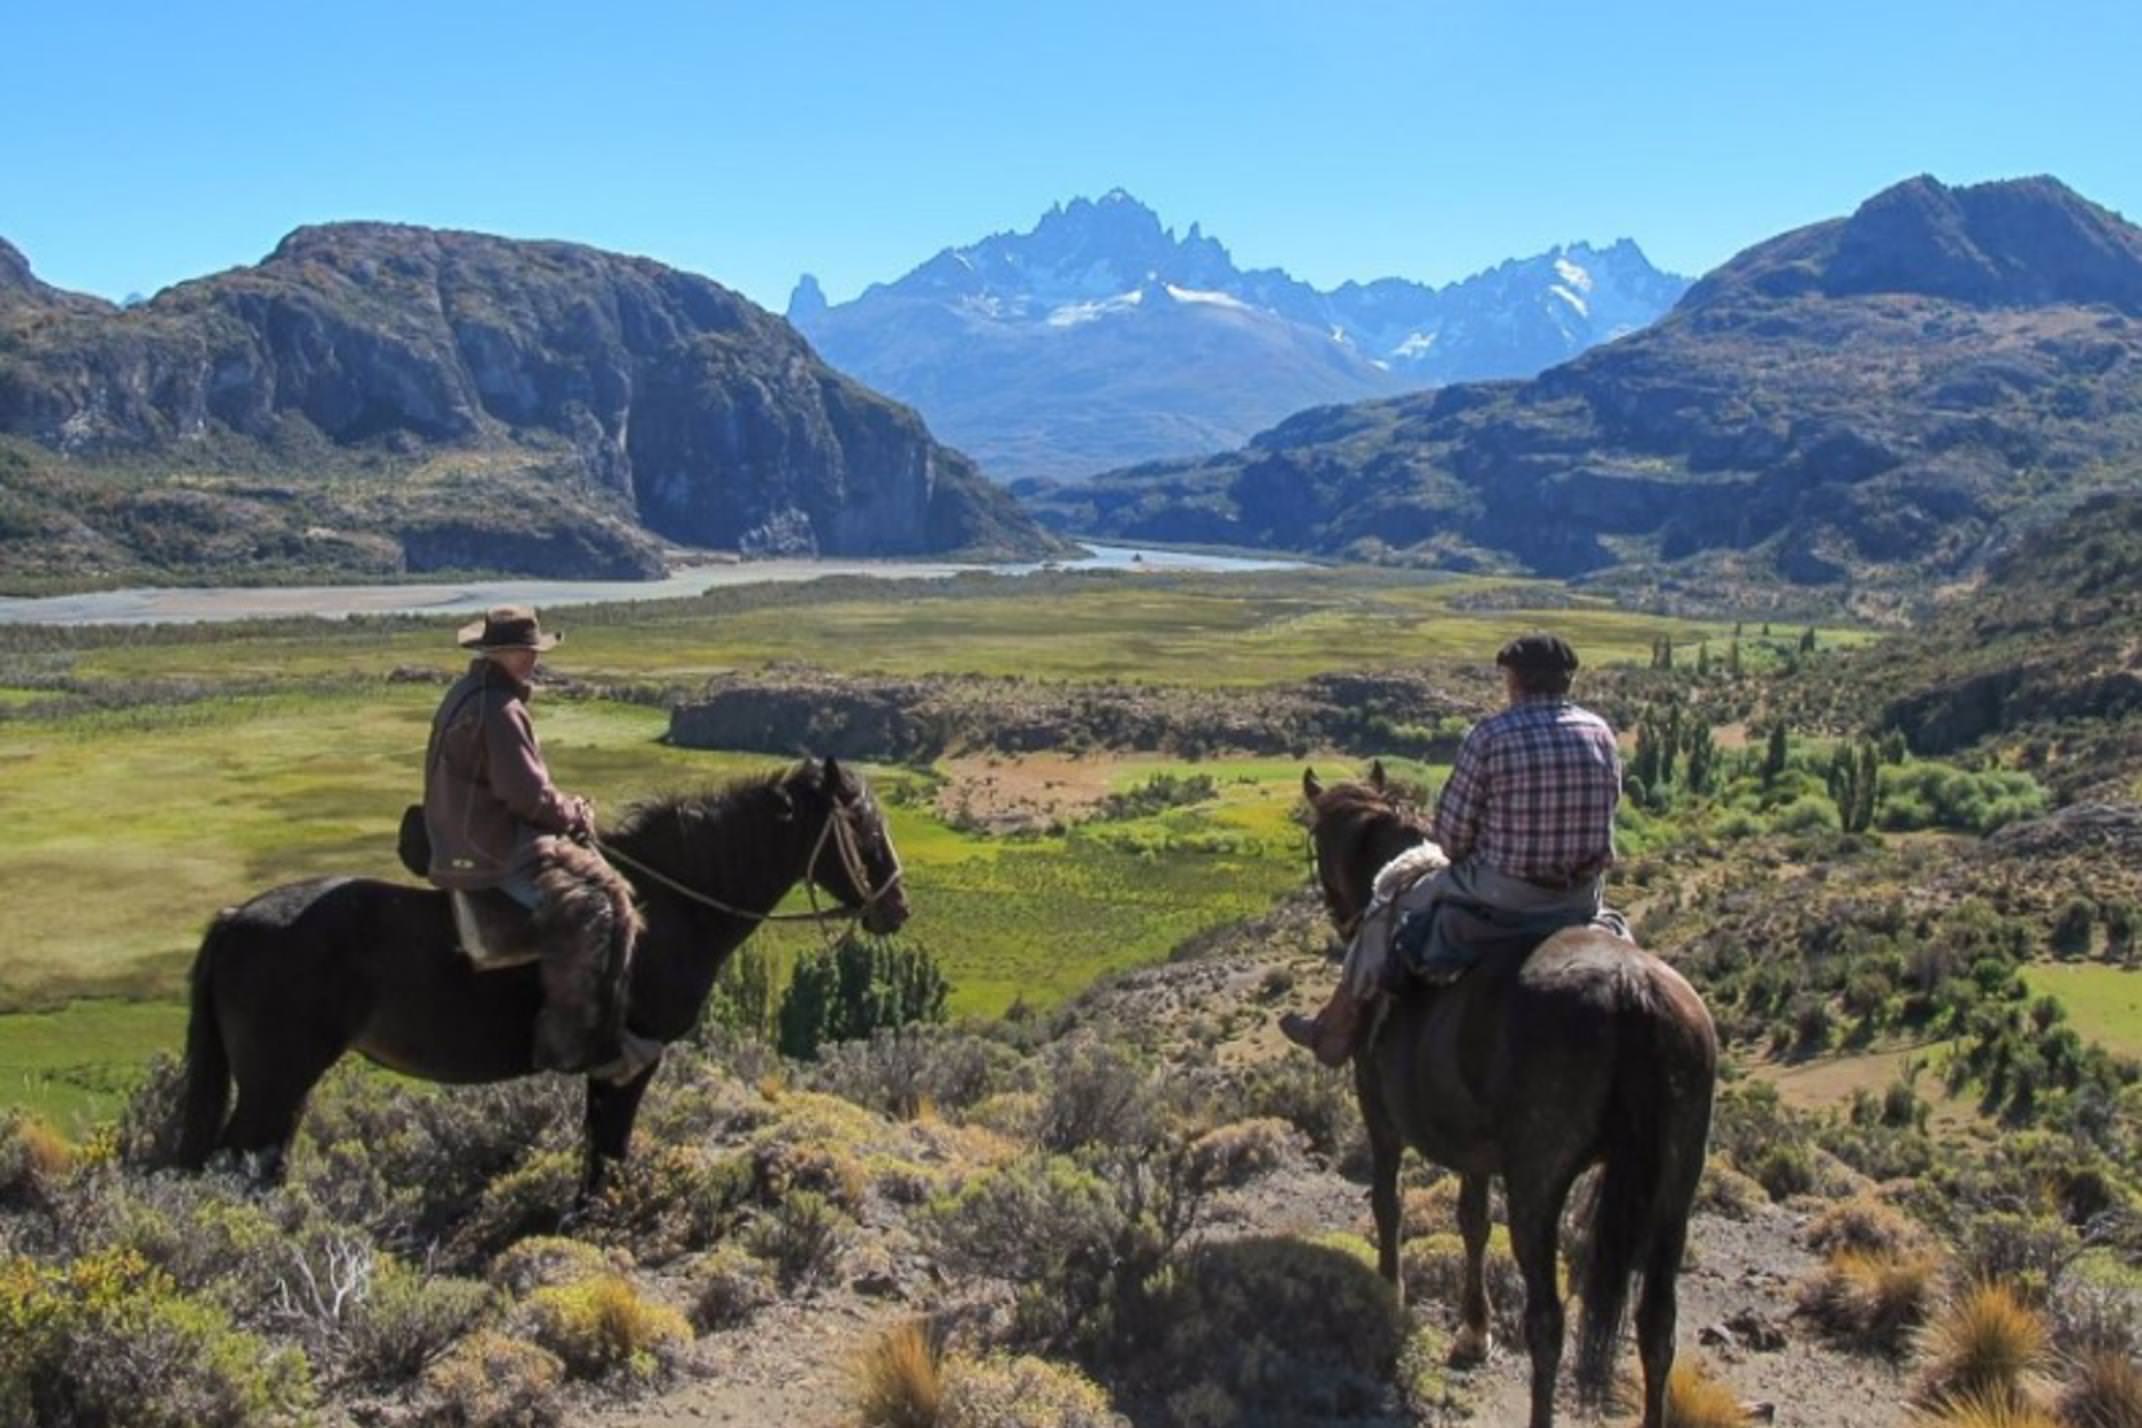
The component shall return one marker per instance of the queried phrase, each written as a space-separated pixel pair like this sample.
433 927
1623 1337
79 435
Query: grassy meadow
154 775
2104 1002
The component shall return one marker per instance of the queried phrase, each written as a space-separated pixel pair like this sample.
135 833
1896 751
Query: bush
491 1381
1317 1102
902 1073
899 1382
32 1157
1870 1303
1786 1170
1042 1223
1020 1392
1810 813
109 1340
602 1326
1988 1411
1097 1093
407 1319
727 1288
547 1261
801 1239
1931 795
1865 1225
1239 1152
669 1203
1727 1193
1434 1272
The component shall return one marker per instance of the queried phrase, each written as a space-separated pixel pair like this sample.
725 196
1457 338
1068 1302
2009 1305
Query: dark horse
286 984
1587 1051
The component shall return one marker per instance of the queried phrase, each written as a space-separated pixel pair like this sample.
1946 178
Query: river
159 605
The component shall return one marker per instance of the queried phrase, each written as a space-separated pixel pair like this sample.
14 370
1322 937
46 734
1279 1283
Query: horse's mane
675 832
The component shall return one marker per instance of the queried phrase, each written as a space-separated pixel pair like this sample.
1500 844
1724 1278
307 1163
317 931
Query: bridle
837 829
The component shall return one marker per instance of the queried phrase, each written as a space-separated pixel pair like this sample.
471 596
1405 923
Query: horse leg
1387 1151
1535 1234
271 1097
1472 1342
611 1112
1655 1315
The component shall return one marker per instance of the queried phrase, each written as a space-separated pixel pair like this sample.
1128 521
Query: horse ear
834 777
1375 775
786 802
1311 789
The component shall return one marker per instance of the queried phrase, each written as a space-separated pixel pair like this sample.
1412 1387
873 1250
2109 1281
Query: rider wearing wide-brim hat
497 821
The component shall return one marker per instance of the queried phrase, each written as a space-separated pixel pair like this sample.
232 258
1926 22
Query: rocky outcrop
367 350
905 720
1878 400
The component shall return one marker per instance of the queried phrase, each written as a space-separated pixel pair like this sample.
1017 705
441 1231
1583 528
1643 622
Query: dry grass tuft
1870 1303
2102 1389
1986 1410
1696 1400
1866 1225
1987 1344
900 1379
602 1325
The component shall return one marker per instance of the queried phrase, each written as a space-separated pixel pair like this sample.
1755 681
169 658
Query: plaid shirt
1533 793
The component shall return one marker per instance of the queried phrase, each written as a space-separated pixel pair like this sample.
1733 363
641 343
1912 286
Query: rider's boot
1333 1033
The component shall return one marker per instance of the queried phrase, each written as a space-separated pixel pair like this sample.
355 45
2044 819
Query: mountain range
1882 400
1100 338
373 399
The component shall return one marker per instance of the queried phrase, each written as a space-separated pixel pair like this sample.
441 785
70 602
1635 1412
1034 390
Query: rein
835 827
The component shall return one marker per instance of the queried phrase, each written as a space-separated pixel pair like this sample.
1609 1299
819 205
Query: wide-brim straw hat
508 627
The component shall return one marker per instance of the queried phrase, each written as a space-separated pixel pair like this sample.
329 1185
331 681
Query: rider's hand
583 818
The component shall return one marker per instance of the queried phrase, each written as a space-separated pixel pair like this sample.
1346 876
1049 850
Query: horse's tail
1658 1116
208 1067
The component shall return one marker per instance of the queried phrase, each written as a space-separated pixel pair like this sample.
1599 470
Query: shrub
1097 1093
32 1157
491 1381
670 1203
1696 1400
899 1380
1870 1303
1020 1392
1809 813
2072 929
727 1287
109 1340
2101 1389
902 1072
527 1199
1786 1170
601 1326
407 1319
547 1261
1865 1225
1725 1192
801 1239
1434 1272
1043 1223
1987 1411
1239 1152
1265 1330
1985 1344
1317 1102
2026 1253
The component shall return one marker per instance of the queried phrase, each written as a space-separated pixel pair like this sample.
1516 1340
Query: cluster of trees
842 992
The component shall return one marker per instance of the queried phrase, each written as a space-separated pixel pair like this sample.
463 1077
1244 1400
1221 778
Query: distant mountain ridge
375 398
1869 402
1099 337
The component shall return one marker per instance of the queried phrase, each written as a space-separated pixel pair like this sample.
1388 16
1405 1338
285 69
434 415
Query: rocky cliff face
1874 400
618 386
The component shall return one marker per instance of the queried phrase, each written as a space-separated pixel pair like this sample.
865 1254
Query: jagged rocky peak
807 301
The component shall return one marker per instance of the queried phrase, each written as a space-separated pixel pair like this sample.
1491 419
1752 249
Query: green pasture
131 828
2104 1002
1219 630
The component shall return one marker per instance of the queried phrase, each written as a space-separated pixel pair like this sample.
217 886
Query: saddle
1438 944
495 931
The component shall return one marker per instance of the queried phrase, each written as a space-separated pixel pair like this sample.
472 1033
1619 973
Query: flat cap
1538 653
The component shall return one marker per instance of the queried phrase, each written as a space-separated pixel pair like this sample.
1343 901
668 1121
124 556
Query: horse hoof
1471 1346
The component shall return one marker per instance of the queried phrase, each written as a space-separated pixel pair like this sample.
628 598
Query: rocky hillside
1100 338
1879 400
378 396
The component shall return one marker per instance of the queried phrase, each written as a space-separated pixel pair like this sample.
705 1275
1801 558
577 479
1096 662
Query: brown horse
286 984
1586 1051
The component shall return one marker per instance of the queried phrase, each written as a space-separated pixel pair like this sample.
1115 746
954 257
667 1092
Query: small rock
1756 1332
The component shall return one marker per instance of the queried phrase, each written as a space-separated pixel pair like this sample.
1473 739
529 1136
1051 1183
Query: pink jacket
485 780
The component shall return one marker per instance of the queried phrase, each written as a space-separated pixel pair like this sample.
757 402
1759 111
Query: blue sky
147 143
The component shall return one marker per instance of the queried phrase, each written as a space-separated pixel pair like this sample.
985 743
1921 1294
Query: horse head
853 858
1354 829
